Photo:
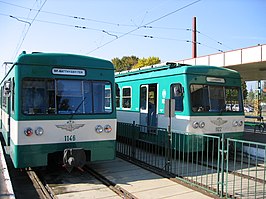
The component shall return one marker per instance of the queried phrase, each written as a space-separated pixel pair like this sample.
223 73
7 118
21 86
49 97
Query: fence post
169 154
222 151
133 137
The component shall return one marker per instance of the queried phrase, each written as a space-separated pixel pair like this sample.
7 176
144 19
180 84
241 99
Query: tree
125 63
129 62
147 62
117 64
244 89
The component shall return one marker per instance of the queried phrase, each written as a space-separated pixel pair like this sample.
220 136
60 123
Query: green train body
202 102
53 101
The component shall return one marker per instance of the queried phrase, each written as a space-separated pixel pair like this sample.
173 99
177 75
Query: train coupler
74 157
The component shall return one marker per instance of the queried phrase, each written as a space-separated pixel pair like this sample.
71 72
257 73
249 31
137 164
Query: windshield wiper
77 107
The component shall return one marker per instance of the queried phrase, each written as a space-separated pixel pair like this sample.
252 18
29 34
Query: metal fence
228 168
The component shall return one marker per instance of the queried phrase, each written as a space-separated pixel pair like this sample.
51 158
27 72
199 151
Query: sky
116 28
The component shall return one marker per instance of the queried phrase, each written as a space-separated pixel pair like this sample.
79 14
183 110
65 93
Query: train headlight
28 131
107 128
195 125
202 125
99 129
235 123
39 131
240 123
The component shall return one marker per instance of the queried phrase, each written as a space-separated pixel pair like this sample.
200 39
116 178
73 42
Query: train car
203 99
58 104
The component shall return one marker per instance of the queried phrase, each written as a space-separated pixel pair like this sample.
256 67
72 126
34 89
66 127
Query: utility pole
194 38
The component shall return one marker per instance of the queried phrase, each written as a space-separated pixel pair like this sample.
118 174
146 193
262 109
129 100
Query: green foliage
130 62
147 62
244 89
118 64
125 63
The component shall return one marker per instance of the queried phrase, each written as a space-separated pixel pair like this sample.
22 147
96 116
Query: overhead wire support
20 20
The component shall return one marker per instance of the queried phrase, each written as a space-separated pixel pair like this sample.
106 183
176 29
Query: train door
1 102
6 105
148 105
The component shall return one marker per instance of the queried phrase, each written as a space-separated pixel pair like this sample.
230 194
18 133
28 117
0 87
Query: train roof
63 59
175 69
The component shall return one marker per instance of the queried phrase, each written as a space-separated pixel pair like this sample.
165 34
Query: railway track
112 179
77 184
58 183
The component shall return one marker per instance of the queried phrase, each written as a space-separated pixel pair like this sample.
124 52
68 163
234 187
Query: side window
117 92
126 97
177 95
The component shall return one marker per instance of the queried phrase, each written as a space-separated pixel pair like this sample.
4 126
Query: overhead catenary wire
70 16
24 29
137 28
116 33
111 23
32 21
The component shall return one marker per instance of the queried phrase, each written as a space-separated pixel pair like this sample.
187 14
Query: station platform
6 189
143 183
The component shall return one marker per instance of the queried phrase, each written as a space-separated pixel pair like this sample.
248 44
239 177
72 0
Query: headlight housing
107 128
202 125
195 125
28 131
39 131
99 129
235 123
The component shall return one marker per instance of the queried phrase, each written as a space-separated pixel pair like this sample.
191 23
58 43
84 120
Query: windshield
48 96
209 98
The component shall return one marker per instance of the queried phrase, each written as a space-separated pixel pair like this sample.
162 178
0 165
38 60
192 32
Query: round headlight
235 123
195 125
28 131
39 131
107 128
99 129
202 125
240 123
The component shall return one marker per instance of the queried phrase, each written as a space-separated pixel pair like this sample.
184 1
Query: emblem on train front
219 121
70 126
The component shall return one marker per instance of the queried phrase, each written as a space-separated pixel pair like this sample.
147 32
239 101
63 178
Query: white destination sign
67 71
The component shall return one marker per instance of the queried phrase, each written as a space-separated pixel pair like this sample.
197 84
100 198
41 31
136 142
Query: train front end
63 110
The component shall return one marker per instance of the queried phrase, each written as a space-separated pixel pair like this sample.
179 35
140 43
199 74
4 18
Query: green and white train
204 98
58 104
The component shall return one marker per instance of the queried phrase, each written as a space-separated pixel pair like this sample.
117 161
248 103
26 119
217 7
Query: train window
117 95
126 98
33 97
102 97
177 95
214 98
69 96
143 97
233 99
47 96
